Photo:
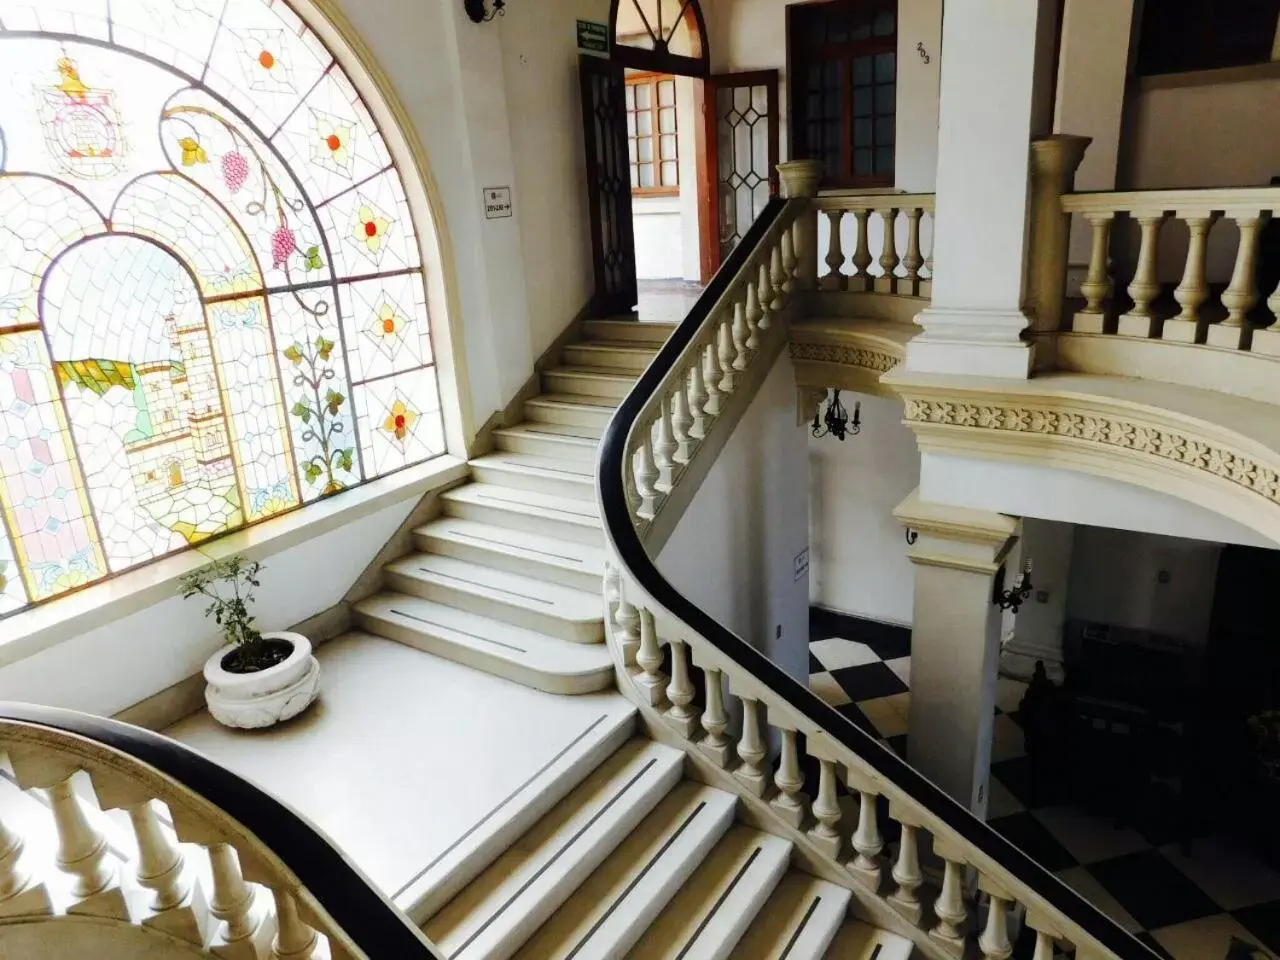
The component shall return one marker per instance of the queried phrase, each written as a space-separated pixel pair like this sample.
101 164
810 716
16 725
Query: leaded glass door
742 156
613 245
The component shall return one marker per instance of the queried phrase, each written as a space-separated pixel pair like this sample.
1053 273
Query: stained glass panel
212 307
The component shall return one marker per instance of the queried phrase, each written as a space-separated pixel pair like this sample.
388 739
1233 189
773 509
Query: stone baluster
1046 935
907 876
1241 293
777 278
825 832
715 720
764 294
741 337
1273 302
233 901
711 380
626 625
295 940
665 445
926 286
726 354
650 680
790 802
751 750
13 878
753 313
834 278
950 907
888 252
612 588
867 841
647 475
629 489
680 692
994 941
1097 285
682 421
861 279
1145 286
913 261
1193 290
160 861
82 847
789 260
700 421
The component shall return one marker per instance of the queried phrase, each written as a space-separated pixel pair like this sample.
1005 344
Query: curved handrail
364 916
630 552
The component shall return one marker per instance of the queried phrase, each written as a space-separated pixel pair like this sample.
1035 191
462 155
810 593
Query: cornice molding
866 358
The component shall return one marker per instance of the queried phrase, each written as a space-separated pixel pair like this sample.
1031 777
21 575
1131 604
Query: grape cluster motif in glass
212 305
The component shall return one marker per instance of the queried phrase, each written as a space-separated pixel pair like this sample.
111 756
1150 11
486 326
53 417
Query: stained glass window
212 303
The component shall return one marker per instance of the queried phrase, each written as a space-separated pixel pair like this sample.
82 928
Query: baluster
907 876
861 279
777 278
233 900
950 908
1044 946
1273 303
665 446
789 260
826 811
82 848
626 625
680 692
634 500
1145 286
753 315
888 252
160 862
647 475
13 880
612 588
681 421
764 294
994 942
294 940
834 279
1097 285
926 286
651 680
751 750
867 840
790 803
912 262
741 335
701 417
1241 293
715 720
727 355
711 380
1193 290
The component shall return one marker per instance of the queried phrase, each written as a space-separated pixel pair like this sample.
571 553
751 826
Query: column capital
957 537
800 178
1057 156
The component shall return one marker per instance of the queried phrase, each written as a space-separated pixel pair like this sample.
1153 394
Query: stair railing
684 670
220 866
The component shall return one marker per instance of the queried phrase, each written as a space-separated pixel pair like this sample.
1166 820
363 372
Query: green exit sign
593 37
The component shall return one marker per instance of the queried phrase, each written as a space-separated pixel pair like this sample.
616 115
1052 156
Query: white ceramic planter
264 698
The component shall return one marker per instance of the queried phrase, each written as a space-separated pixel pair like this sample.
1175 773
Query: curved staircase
508 579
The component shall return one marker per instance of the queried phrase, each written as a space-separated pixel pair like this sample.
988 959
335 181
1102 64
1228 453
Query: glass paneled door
741 119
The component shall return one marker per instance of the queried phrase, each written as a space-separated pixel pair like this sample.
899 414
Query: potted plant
257 679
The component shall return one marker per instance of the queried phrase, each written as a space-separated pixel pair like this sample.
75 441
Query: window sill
32 631
1207 78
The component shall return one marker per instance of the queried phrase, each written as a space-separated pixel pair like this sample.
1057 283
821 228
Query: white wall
659 238
858 549
746 524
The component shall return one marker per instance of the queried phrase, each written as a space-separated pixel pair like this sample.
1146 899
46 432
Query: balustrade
910 274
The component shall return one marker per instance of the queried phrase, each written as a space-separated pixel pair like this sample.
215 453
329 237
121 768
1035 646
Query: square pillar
955 643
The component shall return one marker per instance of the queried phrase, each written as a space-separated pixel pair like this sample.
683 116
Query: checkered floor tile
1185 907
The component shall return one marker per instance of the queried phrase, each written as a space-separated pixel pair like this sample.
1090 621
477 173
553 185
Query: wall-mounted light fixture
836 420
1016 595
476 10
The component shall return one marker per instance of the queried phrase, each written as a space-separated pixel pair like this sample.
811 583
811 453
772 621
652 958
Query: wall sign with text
593 38
497 202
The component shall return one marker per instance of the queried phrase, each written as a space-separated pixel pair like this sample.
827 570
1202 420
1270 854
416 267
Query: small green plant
228 585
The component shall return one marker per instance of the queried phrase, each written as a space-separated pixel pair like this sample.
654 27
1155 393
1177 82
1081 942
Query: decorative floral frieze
1155 441
864 357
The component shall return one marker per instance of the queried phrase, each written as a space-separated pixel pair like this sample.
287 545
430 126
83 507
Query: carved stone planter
800 178
265 697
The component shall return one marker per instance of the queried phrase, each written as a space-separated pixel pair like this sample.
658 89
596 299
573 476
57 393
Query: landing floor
1184 907
404 752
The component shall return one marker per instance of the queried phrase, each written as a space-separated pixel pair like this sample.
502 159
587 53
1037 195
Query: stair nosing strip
715 907
636 880
465 633
544 433
487 586
804 922
502 803
556 856
527 466
502 543
567 513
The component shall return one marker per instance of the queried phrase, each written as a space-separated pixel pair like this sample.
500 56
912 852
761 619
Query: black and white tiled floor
1185 907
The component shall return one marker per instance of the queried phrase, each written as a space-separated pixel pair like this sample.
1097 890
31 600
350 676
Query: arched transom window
212 302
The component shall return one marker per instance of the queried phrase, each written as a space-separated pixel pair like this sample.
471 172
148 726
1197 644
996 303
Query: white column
984 136
955 643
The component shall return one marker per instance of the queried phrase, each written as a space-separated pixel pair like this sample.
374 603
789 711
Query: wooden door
739 174
613 245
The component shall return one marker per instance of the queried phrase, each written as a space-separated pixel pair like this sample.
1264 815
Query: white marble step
588 382
496 829
801 919
494 916
859 941
571 410
558 611
550 440
625 356
523 656
627 330
566 562
713 909
526 471
566 518
618 902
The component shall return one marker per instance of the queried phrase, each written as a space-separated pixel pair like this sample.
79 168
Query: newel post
1054 160
800 178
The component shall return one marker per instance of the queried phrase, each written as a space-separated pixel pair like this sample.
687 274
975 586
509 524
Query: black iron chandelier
476 10
1016 595
836 421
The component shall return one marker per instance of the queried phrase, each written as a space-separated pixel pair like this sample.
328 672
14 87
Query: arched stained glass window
212 301
665 36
